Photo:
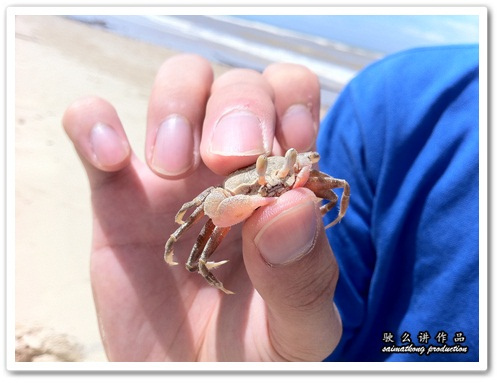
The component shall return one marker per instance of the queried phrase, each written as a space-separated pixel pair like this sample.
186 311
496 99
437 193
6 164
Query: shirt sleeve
405 135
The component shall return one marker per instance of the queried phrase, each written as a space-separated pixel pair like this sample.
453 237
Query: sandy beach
57 61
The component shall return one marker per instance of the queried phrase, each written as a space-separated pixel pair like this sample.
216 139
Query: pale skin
241 193
149 311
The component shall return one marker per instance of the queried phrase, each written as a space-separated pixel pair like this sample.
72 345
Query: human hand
149 311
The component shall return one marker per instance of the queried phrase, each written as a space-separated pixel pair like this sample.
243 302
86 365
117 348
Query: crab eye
314 157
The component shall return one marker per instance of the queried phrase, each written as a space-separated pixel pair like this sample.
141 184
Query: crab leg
197 201
193 218
199 246
321 184
332 199
216 238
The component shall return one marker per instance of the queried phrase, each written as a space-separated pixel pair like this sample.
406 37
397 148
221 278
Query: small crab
244 191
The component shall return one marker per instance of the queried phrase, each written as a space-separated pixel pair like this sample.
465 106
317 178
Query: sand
57 61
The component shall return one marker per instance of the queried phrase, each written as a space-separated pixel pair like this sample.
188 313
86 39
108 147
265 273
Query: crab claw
227 210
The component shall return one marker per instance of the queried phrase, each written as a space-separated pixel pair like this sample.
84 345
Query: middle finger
239 121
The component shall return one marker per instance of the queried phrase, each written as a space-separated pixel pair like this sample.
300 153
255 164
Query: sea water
335 47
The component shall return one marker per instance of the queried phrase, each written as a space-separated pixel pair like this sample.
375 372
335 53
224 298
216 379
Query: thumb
291 265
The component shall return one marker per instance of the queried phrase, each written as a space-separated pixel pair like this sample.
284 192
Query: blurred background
335 47
61 58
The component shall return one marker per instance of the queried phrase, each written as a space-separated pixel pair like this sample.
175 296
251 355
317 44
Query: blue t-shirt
405 135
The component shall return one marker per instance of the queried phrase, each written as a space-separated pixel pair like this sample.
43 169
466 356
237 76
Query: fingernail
108 147
298 127
289 236
238 133
173 150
